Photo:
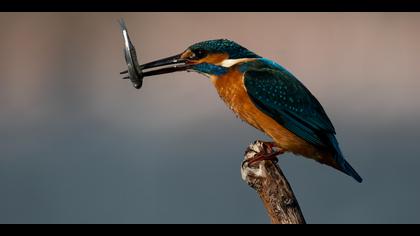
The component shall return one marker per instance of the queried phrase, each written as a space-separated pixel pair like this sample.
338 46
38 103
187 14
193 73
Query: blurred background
80 145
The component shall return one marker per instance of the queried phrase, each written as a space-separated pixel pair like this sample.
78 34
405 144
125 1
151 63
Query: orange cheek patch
214 58
186 54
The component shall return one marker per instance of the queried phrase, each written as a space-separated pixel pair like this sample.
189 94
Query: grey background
79 145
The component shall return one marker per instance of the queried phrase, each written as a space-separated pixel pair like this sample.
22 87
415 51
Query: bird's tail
342 164
346 168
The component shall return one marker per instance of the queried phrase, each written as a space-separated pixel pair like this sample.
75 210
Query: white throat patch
231 62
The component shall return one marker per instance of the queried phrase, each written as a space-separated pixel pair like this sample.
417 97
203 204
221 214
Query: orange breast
232 90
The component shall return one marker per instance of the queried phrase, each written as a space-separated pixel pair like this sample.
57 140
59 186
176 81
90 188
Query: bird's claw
260 151
264 157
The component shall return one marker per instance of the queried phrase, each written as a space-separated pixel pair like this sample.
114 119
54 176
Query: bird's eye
199 54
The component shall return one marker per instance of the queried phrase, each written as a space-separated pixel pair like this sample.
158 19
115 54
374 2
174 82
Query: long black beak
136 72
177 63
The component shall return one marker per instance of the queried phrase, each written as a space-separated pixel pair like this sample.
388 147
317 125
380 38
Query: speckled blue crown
234 50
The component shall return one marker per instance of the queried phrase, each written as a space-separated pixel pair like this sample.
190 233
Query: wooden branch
272 186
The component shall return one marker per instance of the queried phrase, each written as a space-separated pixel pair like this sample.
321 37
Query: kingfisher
265 95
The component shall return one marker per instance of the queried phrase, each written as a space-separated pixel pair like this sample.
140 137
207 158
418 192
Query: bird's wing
284 98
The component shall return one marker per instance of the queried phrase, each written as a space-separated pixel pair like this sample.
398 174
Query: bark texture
272 186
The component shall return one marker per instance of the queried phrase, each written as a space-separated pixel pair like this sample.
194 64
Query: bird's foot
269 146
254 165
265 157
264 151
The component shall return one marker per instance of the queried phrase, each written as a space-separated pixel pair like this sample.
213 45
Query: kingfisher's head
212 57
